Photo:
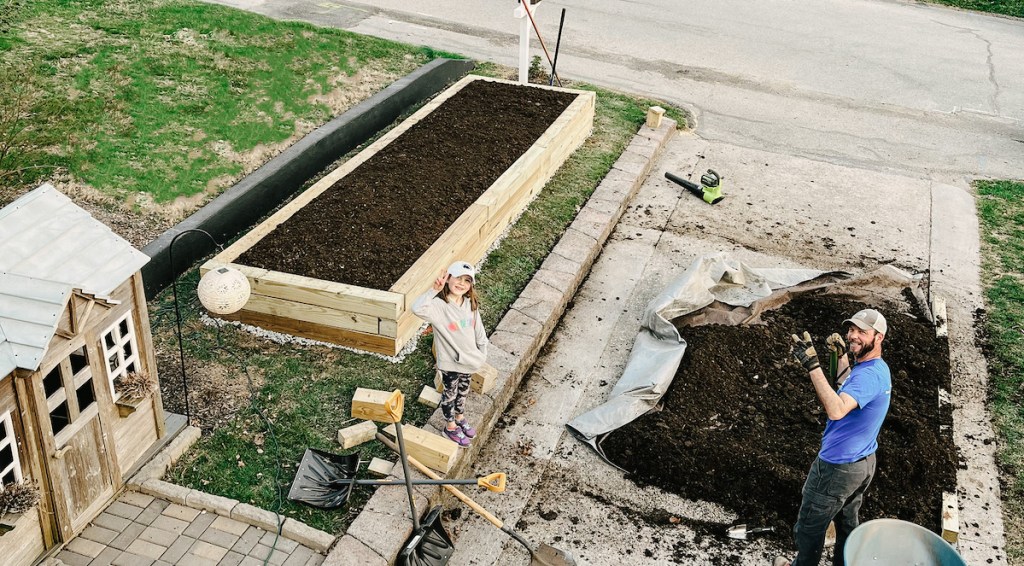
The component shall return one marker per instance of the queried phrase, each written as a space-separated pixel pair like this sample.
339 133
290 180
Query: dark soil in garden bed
741 424
375 222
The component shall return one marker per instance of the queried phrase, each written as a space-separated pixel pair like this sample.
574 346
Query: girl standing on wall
451 306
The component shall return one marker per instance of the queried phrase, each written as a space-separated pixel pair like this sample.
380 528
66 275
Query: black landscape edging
241 206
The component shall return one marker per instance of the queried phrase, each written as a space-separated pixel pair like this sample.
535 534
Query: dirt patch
374 223
741 424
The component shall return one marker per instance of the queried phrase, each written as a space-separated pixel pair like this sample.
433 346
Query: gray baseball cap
869 318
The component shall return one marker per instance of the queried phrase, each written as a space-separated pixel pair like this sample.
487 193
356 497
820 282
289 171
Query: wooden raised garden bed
343 261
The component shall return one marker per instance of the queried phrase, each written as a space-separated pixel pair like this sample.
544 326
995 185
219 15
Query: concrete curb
954 275
147 480
257 194
376 535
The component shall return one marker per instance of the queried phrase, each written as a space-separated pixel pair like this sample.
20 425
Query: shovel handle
454 491
493 482
395 405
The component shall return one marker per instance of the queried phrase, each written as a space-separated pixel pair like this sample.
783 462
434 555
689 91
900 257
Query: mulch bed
741 423
375 222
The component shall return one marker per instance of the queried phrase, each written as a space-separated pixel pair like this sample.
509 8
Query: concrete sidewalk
780 211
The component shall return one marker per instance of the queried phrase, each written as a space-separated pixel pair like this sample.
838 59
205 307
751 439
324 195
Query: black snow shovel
429 544
325 480
540 555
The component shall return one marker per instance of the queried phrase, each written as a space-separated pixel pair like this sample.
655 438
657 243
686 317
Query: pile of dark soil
741 423
374 223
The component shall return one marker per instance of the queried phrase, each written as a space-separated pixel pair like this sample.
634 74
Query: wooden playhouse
73 327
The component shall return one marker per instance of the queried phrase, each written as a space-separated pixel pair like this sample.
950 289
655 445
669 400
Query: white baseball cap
869 318
460 268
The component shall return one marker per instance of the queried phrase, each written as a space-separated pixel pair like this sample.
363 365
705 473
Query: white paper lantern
224 290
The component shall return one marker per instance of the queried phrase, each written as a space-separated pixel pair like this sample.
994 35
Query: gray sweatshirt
459 336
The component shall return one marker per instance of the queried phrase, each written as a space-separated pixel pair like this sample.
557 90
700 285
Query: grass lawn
306 391
1005 7
150 101
1001 213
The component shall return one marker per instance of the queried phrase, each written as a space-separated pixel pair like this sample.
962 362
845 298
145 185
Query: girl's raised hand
442 277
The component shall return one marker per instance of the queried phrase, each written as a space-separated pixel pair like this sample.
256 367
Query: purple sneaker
468 430
457 436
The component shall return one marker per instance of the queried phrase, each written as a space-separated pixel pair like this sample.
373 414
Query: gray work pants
832 491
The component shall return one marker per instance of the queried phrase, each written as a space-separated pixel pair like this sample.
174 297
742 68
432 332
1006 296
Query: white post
525 29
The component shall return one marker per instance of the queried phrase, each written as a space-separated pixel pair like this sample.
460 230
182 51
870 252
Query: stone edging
147 480
380 530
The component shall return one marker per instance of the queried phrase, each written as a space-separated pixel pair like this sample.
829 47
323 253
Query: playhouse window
10 467
120 350
69 390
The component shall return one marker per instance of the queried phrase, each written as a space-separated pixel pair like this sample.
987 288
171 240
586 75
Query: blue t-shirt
856 435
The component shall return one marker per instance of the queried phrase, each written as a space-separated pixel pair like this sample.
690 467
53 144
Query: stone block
612 208
547 313
634 164
384 533
557 279
256 517
350 550
577 246
209 502
519 323
597 225
307 535
164 490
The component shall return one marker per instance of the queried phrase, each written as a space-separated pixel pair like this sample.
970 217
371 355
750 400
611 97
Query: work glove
836 351
803 350
836 345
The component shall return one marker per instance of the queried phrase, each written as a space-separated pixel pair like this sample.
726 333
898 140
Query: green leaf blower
710 188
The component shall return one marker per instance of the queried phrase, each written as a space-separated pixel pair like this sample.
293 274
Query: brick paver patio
141 530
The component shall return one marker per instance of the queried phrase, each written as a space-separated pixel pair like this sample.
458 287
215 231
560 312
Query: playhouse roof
48 247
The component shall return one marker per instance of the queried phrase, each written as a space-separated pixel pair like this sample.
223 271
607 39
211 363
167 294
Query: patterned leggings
453 398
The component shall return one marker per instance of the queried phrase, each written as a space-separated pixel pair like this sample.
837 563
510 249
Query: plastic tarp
726 285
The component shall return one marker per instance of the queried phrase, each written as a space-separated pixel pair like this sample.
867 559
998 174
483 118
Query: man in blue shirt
845 464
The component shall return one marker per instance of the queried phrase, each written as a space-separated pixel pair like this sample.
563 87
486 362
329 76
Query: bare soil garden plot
338 263
741 424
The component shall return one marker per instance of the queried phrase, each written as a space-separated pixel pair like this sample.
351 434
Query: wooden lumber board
432 450
939 314
372 405
338 296
352 339
318 293
312 313
356 434
406 326
950 518
381 467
